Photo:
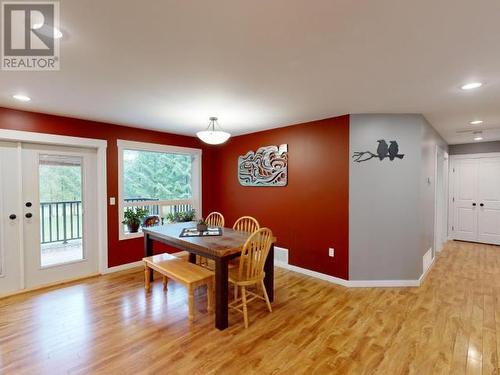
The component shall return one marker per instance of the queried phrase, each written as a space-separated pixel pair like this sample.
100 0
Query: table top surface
229 243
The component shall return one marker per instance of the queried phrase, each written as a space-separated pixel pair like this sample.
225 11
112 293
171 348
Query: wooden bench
191 275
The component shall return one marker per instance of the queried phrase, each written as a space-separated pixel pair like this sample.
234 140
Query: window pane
61 220
151 175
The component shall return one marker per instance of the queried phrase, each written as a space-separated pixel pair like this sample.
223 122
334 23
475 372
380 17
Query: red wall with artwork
309 215
119 252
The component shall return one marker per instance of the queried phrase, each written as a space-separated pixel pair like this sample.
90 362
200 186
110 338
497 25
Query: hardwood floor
108 325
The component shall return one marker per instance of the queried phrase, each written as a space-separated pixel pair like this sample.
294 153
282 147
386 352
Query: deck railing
62 221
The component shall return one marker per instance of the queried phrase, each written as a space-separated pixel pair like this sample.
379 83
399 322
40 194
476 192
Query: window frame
196 180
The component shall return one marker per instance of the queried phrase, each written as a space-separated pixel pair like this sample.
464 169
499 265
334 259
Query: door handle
474 204
12 216
29 215
482 204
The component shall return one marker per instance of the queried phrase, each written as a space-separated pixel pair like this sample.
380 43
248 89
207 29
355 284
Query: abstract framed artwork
268 166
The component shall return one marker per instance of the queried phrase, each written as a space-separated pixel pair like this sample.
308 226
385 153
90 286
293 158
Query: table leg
192 258
269 270
148 251
221 293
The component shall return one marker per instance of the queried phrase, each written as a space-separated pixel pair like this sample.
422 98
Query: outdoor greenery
156 175
60 183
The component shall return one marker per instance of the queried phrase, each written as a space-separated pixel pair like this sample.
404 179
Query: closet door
465 204
488 200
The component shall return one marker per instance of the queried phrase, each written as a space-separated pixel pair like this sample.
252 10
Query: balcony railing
62 221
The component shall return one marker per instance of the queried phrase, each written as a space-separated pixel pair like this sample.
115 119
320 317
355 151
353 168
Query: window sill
130 236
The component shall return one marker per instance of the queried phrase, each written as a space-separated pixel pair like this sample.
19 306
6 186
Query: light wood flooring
108 325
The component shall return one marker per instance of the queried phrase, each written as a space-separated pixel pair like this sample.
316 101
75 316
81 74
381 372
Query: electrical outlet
331 252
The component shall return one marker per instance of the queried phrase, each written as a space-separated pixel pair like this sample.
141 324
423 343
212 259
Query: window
162 179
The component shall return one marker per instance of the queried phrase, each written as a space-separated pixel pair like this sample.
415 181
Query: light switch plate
112 201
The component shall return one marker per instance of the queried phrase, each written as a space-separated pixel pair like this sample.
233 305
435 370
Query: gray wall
475 148
383 200
391 204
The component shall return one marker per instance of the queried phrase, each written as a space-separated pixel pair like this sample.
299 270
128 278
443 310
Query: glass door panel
61 221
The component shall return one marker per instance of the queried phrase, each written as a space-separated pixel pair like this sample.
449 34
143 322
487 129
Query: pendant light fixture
213 136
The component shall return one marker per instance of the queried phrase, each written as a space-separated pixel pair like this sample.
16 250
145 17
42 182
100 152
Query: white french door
10 232
50 208
476 199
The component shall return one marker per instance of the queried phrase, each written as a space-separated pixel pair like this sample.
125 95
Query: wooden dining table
220 249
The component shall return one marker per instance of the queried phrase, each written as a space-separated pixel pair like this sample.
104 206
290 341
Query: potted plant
181 217
133 218
202 226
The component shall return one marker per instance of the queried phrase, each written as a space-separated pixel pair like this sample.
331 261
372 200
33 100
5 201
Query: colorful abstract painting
268 166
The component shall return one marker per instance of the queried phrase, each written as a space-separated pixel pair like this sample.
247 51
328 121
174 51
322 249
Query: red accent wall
119 252
309 215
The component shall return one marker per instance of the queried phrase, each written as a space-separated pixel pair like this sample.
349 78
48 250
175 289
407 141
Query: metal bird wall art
384 151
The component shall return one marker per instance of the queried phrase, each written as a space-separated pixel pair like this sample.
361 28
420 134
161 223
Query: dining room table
221 249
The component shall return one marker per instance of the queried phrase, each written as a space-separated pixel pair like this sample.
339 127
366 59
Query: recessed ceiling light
21 98
476 122
478 138
57 34
471 86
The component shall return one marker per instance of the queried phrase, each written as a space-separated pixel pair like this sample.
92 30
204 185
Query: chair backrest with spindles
246 224
254 254
215 219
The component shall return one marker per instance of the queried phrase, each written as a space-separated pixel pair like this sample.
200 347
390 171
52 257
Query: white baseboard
281 261
123 267
426 271
383 283
127 266
427 260
317 275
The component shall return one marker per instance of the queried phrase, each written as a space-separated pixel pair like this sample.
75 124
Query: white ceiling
169 65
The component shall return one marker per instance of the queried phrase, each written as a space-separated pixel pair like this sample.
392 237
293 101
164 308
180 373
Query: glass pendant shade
213 136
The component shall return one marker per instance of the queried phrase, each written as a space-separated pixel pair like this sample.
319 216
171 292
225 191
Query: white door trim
444 226
63 140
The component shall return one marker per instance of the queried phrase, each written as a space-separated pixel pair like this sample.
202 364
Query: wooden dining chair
214 219
251 271
243 224
246 224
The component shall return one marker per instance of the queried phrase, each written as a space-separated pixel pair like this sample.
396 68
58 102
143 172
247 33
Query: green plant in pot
181 217
133 218
201 226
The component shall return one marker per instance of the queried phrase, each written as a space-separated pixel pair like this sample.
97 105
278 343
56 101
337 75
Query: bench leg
210 295
147 278
165 282
191 302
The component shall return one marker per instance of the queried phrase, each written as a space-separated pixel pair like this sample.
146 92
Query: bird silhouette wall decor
384 151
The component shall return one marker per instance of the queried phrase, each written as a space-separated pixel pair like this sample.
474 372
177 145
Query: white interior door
465 204
10 219
488 200
59 213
